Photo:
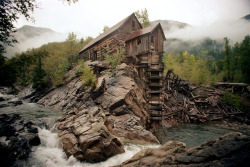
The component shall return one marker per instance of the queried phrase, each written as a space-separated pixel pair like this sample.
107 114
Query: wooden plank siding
142 43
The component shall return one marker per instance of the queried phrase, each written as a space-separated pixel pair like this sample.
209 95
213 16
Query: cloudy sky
88 17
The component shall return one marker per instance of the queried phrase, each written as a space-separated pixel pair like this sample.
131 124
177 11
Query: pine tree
39 74
227 59
143 17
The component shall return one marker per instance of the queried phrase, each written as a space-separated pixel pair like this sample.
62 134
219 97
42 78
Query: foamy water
50 154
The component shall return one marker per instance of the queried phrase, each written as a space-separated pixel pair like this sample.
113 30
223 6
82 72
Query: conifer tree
227 59
38 73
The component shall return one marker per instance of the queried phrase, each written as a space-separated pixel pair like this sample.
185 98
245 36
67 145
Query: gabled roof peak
107 32
144 31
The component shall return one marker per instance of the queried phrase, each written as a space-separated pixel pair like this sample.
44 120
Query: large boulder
85 136
231 150
17 137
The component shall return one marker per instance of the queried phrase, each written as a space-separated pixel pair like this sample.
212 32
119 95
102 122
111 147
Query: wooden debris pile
184 102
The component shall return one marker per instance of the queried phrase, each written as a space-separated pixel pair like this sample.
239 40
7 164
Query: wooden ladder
155 84
152 65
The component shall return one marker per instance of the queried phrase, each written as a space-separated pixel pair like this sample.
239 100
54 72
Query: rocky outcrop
17 137
124 94
84 135
231 150
125 104
98 120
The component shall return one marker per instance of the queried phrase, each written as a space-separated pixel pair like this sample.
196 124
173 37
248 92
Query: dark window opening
138 41
95 56
152 39
133 24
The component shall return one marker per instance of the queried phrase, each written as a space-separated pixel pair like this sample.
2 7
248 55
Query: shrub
88 77
115 59
79 67
232 99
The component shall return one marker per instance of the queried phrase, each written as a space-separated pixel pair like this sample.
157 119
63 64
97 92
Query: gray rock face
17 137
231 150
96 121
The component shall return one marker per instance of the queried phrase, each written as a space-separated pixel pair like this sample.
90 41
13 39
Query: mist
26 42
234 30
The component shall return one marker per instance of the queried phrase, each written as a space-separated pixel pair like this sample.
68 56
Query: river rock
4 105
231 150
17 137
16 102
2 99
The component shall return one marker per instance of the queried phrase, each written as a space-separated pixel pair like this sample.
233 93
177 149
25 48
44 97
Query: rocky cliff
97 122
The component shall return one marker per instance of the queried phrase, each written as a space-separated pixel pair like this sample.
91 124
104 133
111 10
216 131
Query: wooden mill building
144 48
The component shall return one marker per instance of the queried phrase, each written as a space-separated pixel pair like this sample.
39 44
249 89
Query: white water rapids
50 154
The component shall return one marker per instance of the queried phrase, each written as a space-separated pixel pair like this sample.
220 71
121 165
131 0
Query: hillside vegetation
208 65
45 66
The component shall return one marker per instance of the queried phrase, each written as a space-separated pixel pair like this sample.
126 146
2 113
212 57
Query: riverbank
231 150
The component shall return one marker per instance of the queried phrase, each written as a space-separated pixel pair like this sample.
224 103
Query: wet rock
17 137
4 105
2 99
16 103
232 149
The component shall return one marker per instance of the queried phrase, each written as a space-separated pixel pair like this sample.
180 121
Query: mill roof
107 32
145 31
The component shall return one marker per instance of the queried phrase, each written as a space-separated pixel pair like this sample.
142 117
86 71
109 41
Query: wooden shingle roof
106 33
145 31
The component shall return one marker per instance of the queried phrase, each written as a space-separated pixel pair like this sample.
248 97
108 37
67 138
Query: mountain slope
30 32
32 37
247 17
170 25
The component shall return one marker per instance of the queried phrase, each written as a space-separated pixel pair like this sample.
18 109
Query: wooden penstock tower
144 49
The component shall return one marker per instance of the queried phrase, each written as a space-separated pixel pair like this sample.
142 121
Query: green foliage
10 12
142 17
88 77
56 66
244 58
186 66
79 67
232 99
8 72
227 60
115 59
211 64
38 77
105 28
59 58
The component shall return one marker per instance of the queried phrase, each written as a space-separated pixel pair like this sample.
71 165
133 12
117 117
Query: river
50 154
